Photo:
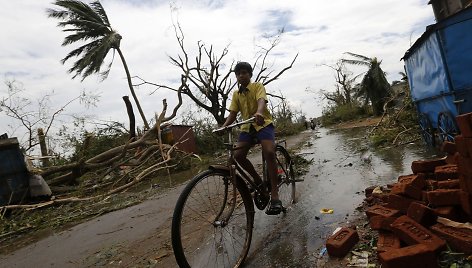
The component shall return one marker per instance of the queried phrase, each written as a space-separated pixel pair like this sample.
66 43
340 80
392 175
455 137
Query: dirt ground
364 122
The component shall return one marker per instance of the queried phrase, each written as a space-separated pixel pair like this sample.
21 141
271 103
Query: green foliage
374 86
340 113
207 142
401 121
86 23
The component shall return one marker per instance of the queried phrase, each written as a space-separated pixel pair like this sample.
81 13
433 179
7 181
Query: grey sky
320 31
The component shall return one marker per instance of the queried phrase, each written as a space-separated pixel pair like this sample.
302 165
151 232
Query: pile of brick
406 214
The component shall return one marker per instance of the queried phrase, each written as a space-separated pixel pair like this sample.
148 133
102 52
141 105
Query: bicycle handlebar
250 120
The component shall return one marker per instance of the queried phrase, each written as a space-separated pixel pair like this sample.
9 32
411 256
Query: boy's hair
243 66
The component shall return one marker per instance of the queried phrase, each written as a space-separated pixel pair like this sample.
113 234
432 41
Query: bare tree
344 86
31 115
153 156
209 78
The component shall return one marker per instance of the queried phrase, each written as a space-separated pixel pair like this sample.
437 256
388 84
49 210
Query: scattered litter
326 211
377 190
359 259
450 223
317 218
323 251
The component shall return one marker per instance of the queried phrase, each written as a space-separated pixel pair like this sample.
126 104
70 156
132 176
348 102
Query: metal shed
176 133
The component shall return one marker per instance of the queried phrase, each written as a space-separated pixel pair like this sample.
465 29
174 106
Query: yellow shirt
246 103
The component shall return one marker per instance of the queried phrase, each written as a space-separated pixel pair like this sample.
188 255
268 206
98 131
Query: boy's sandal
275 207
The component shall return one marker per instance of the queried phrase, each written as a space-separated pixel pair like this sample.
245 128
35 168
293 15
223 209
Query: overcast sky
320 31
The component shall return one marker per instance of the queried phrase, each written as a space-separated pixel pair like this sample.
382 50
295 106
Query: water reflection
343 166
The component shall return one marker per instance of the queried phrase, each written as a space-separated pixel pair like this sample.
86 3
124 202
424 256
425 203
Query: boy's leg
241 156
268 149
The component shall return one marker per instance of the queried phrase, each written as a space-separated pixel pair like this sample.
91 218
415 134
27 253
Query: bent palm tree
90 23
374 86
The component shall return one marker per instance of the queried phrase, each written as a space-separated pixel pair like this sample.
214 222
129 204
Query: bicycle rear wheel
200 236
286 177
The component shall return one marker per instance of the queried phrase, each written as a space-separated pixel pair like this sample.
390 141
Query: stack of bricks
406 216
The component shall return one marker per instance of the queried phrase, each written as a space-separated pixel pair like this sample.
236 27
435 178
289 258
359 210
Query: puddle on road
343 166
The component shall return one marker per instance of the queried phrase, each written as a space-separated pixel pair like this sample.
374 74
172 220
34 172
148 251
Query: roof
433 28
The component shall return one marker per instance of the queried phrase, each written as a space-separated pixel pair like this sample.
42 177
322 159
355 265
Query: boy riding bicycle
251 100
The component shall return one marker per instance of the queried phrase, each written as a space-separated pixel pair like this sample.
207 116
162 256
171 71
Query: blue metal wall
425 69
439 67
456 41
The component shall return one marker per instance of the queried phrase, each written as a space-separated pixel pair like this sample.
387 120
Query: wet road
139 236
343 166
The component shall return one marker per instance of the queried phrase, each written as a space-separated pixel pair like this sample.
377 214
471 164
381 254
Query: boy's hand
220 133
259 119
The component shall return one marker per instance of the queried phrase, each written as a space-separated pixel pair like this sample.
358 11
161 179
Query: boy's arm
261 104
230 119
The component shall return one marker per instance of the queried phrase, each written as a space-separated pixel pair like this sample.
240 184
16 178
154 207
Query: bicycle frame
235 166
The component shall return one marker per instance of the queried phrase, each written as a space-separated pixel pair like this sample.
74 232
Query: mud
139 236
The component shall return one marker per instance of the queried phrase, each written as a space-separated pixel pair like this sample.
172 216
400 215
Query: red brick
406 190
448 212
466 202
387 241
421 214
462 147
378 210
460 239
416 256
416 180
424 196
465 124
446 172
431 185
444 197
465 166
465 183
448 184
451 159
340 243
381 223
449 147
426 166
398 202
412 233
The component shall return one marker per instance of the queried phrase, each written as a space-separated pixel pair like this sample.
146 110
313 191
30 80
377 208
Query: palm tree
89 23
374 86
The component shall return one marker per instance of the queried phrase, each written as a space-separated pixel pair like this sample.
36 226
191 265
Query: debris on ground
424 218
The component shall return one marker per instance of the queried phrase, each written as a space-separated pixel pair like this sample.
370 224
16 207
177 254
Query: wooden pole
44 148
132 120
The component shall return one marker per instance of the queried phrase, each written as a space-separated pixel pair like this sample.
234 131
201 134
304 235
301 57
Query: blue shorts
266 133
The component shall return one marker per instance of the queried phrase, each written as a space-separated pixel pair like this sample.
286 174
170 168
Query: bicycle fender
223 167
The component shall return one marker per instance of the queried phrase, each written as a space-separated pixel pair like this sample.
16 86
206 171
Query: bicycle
214 215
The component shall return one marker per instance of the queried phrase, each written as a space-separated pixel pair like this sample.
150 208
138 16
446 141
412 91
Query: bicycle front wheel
286 177
209 229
